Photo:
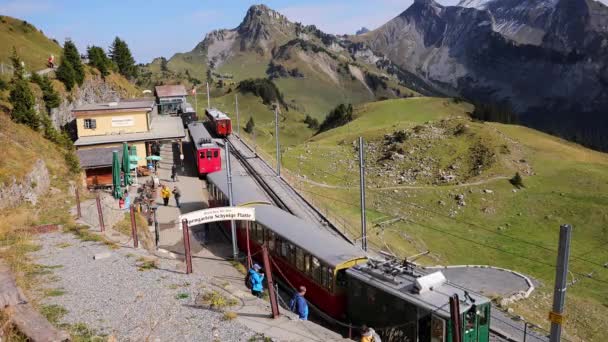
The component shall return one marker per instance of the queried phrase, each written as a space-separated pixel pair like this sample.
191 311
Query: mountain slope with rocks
315 71
541 58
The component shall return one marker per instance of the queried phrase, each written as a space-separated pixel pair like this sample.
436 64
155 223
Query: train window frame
292 253
483 316
90 123
285 249
216 153
201 154
330 279
209 154
270 239
307 264
316 269
434 329
299 258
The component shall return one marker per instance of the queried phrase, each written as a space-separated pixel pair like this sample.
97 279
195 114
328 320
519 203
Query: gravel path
113 297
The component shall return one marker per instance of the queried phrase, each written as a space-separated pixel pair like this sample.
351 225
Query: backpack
248 281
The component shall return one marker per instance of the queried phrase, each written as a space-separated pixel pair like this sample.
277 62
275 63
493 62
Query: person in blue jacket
256 280
298 304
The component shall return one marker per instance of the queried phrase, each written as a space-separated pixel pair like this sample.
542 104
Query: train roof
403 285
244 189
327 247
216 114
200 136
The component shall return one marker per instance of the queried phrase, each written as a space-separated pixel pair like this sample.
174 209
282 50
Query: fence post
274 305
78 212
187 246
134 228
100 213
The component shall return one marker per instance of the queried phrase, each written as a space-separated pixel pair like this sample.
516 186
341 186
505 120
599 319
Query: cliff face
94 89
542 58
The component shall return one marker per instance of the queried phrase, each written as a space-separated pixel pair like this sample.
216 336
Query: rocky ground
122 295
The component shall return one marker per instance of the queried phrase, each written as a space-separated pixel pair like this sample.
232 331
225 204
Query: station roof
119 106
170 90
161 128
97 157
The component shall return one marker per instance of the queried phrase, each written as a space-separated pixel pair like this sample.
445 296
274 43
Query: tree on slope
121 55
49 94
71 55
99 60
21 96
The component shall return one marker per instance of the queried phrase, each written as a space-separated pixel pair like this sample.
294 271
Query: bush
517 181
311 122
339 116
264 88
250 125
49 95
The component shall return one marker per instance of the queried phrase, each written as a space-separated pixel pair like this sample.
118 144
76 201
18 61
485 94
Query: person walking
369 335
165 193
174 173
177 194
298 304
255 278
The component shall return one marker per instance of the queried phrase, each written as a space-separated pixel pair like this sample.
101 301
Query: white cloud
24 7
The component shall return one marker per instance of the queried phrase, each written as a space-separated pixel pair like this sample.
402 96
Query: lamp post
154 208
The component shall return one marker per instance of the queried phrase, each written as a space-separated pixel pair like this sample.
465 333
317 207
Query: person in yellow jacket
165 193
369 335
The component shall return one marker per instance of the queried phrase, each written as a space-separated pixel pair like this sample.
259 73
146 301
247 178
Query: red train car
220 122
304 253
206 152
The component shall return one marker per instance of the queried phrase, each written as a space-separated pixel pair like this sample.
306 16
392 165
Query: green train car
403 304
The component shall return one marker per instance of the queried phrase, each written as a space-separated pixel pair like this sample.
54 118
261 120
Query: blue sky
155 28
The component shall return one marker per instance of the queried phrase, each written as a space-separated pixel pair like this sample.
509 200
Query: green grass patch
147 263
182 296
54 293
53 313
63 245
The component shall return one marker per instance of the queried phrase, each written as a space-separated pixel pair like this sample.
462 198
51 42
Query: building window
90 123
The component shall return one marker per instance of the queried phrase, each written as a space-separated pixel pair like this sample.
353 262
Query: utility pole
208 98
235 251
195 100
561 275
276 134
238 124
362 192
455 316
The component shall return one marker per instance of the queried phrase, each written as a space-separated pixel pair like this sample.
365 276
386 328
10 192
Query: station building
170 99
103 127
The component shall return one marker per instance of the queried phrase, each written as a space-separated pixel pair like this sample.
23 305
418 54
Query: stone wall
35 184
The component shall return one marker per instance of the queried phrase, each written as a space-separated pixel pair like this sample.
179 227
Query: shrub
339 116
250 125
264 88
311 122
517 181
99 60
230 315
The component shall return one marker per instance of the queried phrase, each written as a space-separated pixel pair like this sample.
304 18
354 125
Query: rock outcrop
35 184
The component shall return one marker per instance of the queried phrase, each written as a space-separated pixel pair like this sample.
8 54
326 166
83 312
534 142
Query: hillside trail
398 187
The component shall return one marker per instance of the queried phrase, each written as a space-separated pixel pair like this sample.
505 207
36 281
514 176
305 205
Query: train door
483 323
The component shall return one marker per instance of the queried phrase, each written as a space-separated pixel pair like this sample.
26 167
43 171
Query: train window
202 155
216 154
270 237
307 263
259 233
316 270
300 258
341 278
323 274
330 279
284 249
437 329
483 316
292 254
209 154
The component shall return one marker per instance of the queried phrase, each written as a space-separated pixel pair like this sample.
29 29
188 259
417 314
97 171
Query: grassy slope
569 186
33 47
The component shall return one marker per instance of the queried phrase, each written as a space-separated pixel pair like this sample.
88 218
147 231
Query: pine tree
49 95
250 125
99 60
121 55
21 96
66 74
71 55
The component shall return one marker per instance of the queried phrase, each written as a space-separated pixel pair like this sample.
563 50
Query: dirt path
397 187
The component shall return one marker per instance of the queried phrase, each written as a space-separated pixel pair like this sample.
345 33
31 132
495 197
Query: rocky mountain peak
263 24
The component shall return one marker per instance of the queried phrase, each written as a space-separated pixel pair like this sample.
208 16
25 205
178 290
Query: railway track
284 196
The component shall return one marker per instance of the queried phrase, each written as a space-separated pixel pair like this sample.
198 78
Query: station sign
217 215
556 318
